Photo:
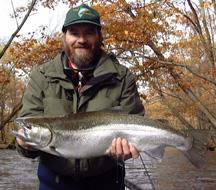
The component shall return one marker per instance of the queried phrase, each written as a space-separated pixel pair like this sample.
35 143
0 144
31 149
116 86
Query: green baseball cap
81 14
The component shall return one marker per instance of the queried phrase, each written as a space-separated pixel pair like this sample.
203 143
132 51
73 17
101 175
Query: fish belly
93 143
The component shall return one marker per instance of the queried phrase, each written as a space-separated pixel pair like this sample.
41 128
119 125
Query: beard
86 58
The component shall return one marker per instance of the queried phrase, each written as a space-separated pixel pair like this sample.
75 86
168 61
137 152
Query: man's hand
121 149
21 143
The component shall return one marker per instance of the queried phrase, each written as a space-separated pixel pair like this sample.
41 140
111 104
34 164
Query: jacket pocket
101 103
57 107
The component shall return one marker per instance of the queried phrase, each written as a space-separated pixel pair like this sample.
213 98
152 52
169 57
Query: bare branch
18 29
208 36
14 14
190 94
186 16
175 111
196 17
11 115
214 4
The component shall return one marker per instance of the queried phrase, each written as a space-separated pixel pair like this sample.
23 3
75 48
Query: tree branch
183 66
175 111
14 14
11 115
18 28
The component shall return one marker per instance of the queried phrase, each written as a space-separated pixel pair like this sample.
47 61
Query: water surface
17 172
174 173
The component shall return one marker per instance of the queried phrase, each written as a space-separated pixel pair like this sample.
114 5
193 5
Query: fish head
33 133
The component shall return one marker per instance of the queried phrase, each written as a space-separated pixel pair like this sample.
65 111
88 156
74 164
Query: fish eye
28 126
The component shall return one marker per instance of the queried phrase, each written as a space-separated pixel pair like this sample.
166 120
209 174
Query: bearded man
82 78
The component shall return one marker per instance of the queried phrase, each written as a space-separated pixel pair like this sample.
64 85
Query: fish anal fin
155 154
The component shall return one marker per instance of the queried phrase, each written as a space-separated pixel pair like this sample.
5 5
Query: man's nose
82 39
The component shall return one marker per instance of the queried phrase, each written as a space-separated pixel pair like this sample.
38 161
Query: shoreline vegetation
4 146
7 146
7 140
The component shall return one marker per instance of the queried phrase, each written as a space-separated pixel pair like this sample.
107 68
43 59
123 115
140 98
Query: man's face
82 43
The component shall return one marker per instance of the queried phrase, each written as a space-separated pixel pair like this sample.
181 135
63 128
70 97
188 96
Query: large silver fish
86 135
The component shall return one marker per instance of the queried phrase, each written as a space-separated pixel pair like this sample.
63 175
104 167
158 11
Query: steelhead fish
89 134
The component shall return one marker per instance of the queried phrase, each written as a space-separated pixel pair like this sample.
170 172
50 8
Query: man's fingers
19 141
22 143
119 150
113 147
125 147
134 152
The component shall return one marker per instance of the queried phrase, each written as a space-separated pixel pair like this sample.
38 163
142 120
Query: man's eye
90 33
74 33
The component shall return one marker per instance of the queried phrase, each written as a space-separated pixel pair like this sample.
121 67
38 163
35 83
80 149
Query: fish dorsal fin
123 109
156 154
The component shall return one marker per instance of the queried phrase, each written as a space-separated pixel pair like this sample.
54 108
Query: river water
174 173
16 172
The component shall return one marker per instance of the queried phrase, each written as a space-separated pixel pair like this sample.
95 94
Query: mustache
82 46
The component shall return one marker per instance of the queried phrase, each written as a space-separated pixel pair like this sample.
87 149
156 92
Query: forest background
168 44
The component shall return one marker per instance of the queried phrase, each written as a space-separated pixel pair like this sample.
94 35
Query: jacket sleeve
32 105
130 99
32 102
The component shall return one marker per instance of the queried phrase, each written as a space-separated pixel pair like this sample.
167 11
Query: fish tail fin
196 154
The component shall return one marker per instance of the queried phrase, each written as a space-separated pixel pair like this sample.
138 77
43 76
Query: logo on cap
85 11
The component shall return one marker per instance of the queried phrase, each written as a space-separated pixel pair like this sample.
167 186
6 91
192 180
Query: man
81 78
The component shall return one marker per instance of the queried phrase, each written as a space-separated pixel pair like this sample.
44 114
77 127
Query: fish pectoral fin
156 153
33 144
54 151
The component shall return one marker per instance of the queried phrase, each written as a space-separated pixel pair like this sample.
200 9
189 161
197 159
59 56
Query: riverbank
7 146
4 146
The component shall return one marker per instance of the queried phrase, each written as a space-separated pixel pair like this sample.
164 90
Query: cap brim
79 22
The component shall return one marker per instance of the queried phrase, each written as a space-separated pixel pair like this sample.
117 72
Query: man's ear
101 38
63 35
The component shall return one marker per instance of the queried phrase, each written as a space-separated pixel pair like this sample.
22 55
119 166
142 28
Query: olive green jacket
51 93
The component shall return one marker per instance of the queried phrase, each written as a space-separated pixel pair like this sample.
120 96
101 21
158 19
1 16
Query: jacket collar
106 65
56 70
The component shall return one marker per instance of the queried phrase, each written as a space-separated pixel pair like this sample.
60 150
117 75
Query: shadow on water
174 173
